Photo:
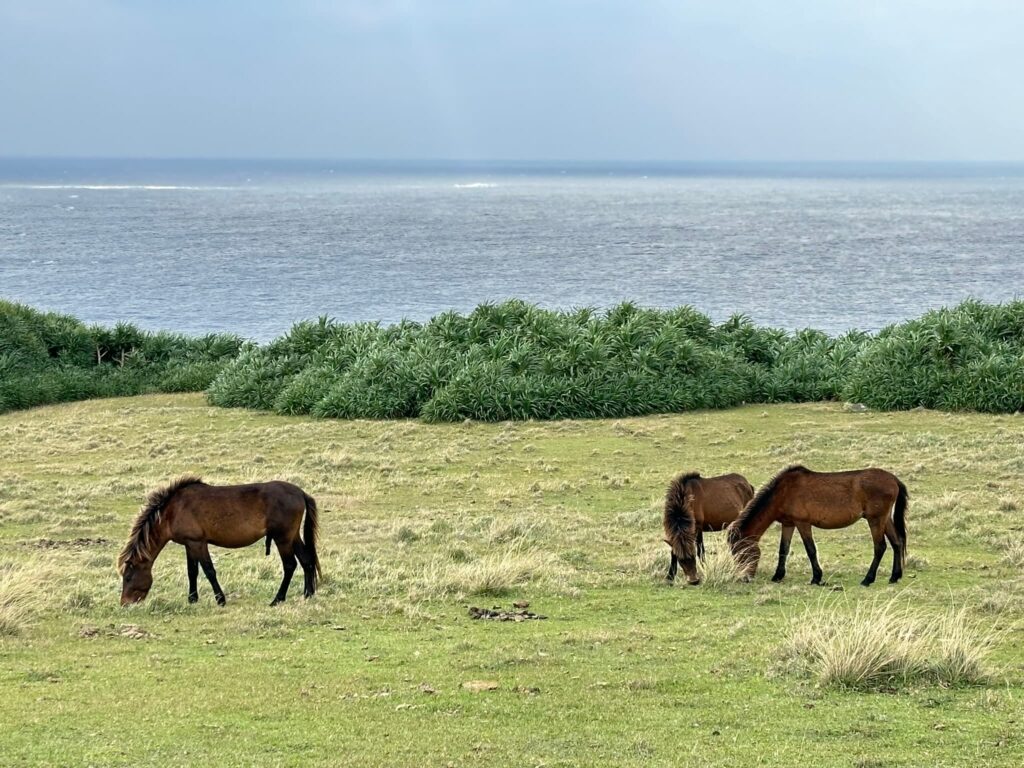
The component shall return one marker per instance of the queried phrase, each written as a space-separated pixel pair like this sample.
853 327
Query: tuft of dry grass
719 569
23 593
492 574
886 644
1013 551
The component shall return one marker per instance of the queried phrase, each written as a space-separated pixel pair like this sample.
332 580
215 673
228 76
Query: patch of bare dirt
130 631
497 613
68 543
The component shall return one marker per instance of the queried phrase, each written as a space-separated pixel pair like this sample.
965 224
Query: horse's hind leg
812 552
309 585
200 551
193 575
898 548
878 537
285 549
784 540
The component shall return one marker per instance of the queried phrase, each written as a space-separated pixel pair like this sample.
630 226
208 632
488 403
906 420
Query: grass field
419 522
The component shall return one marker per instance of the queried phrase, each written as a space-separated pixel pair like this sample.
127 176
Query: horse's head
745 551
136 580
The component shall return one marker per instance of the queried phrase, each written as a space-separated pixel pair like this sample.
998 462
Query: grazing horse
194 514
694 504
799 498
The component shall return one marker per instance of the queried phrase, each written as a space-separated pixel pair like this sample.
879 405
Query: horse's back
722 498
836 499
252 493
237 515
868 482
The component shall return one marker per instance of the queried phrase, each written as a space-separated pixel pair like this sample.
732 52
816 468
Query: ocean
254 246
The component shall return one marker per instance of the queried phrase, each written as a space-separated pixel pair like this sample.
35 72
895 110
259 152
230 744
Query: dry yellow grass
888 644
24 592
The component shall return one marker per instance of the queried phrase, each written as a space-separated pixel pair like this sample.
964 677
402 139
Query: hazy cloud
803 79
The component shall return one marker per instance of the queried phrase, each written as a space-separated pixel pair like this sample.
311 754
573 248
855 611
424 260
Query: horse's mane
678 515
140 540
757 504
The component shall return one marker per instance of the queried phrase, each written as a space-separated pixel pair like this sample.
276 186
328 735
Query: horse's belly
831 522
236 538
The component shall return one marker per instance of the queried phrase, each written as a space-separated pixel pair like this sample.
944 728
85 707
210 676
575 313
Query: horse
799 498
695 504
191 513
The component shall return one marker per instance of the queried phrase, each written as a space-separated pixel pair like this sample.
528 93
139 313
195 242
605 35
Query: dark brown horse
695 504
799 498
194 514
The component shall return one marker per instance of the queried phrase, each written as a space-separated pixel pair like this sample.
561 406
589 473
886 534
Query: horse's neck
762 521
161 536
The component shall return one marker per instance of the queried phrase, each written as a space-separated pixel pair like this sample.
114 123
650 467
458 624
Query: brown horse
799 498
194 514
694 504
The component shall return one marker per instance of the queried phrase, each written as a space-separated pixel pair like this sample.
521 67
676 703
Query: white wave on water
476 185
106 187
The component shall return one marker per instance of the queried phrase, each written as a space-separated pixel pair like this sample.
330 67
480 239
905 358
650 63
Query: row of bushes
516 361
52 358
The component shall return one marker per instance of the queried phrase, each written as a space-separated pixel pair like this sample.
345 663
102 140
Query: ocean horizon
252 246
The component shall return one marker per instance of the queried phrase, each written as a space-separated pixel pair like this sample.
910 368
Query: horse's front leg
200 551
673 566
193 575
812 551
784 541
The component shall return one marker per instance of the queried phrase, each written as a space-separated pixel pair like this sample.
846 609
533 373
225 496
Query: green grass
421 521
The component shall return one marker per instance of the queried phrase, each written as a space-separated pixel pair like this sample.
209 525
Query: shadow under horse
191 513
799 498
695 504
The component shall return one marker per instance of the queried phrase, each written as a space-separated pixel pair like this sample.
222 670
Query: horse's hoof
867 583
778 577
221 602
193 598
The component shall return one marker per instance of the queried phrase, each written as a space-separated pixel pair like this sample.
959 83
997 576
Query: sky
597 80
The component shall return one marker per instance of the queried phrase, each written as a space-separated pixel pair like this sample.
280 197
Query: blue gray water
252 247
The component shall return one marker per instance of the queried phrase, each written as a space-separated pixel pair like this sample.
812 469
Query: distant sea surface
253 246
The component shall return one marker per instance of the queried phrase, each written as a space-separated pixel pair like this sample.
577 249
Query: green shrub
969 357
52 358
513 360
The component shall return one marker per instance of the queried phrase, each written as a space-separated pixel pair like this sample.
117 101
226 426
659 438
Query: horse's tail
310 529
900 517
